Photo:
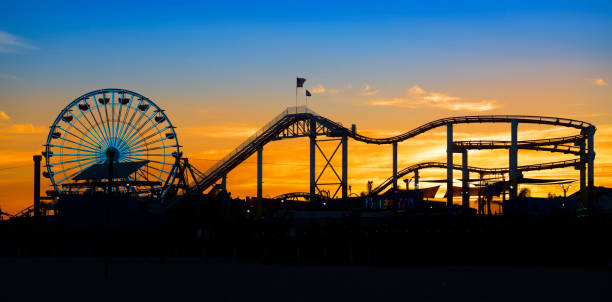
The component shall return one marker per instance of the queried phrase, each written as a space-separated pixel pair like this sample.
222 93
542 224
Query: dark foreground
193 279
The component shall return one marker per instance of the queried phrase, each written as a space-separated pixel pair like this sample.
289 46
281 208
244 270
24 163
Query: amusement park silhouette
431 152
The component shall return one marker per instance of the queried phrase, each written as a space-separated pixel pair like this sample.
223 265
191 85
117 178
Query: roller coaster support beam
465 177
449 167
224 182
416 179
344 167
394 165
591 171
582 168
37 159
259 207
513 159
313 144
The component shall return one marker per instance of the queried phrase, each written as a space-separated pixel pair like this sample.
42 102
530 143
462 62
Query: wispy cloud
417 96
219 131
367 90
12 43
4 76
4 116
22 129
319 89
599 82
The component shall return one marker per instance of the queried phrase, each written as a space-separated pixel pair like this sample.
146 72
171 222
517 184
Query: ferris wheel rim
92 158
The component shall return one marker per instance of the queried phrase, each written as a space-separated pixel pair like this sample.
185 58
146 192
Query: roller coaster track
483 171
296 195
550 144
293 122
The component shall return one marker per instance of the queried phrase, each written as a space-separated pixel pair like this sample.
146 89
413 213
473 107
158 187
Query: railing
262 130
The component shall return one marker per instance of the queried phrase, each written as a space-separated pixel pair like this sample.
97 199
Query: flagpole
296 96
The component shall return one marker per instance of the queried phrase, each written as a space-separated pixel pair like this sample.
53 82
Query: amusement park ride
119 141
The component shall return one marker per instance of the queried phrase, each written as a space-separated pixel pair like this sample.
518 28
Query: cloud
4 76
367 90
600 82
318 89
418 96
22 128
219 131
4 116
12 43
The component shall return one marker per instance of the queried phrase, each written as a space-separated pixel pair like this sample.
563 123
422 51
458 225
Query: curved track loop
483 171
550 144
292 115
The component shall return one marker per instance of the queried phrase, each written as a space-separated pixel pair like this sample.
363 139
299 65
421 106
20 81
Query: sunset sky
221 71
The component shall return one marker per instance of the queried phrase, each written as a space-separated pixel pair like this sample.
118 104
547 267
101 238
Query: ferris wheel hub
113 154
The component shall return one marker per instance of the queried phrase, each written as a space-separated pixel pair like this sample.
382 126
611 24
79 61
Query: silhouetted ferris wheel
111 125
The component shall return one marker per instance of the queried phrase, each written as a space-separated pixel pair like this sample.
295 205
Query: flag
300 82
308 93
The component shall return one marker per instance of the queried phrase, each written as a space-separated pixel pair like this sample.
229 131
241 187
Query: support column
259 202
37 159
449 167
344 167
591 168
513 159
394 165
416 179
313 142
259 172
465 176
224 182
582 168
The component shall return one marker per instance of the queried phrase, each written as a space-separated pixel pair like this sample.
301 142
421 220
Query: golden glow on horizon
209 132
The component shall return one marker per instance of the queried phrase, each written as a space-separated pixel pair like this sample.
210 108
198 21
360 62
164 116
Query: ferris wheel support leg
449 168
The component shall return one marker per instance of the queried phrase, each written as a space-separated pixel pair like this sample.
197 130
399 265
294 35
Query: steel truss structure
300 121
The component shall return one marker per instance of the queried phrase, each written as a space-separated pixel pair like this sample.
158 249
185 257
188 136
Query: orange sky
207 133
221 71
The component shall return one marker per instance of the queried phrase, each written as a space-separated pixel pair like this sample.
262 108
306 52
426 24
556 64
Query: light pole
565 189
407 181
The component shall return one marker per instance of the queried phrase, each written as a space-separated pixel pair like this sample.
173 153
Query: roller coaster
302 122
117 126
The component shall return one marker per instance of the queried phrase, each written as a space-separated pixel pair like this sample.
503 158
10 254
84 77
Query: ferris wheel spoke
149 143
155 148
99 138
112 120
74 174
119 122
74 160
136 128
90 163
80 138
153 161
106 134
142 141
77 128
133 126
149 173
72 148
93 116
71 141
